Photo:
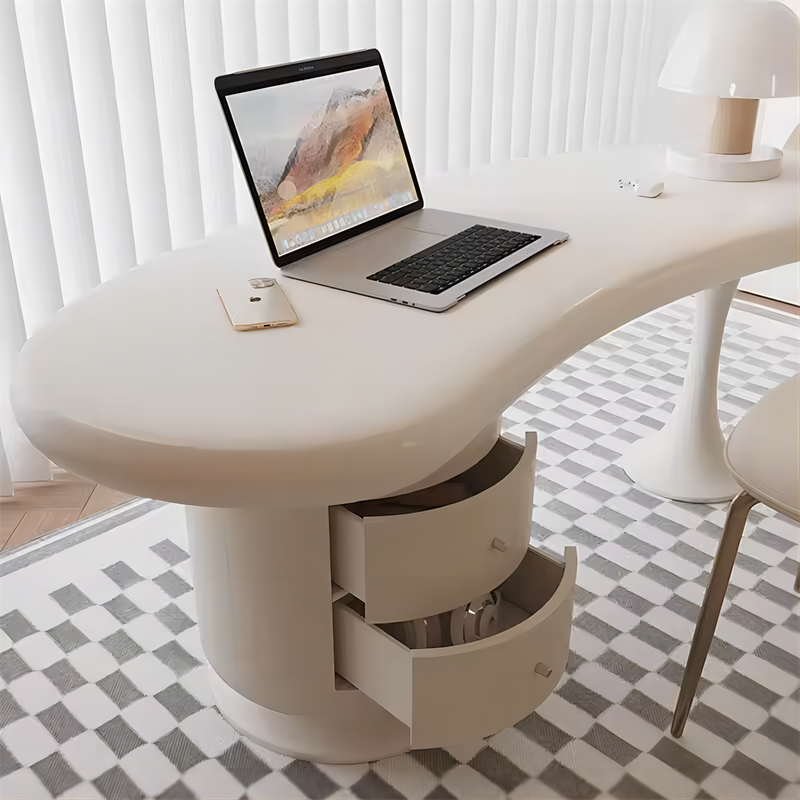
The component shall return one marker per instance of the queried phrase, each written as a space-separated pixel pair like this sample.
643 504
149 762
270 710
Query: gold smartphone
262 304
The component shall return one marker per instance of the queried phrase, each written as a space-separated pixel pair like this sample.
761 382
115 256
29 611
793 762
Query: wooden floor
45 506
768 302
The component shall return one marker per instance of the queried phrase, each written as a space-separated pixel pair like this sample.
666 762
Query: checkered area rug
104 691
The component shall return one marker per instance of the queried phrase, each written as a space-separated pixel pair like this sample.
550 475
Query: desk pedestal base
354 729
263 590
684 461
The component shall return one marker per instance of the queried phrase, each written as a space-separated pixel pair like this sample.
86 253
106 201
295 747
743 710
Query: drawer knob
499 544
543 670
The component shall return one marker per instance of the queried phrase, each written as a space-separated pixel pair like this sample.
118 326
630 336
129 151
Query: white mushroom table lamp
739 52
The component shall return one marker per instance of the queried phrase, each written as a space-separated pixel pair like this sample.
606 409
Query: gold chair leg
712 605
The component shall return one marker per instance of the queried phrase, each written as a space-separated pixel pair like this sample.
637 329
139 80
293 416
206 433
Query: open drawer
453 695
429 551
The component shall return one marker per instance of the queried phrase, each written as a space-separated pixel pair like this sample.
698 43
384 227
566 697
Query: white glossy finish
747 48
412 565
143 385
762 164
684 461
263 593
449 695
351 730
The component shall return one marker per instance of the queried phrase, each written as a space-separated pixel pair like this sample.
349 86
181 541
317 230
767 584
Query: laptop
329 171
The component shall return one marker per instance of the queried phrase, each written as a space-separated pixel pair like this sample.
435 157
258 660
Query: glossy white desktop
144 387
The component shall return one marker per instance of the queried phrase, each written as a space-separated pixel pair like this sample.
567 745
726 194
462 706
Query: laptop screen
324 155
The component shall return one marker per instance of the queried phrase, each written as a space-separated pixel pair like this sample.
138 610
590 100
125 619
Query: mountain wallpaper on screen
348 154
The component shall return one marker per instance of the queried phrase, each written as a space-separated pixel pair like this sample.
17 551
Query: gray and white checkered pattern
104 692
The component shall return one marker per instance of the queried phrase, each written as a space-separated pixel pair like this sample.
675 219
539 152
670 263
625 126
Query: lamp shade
741 48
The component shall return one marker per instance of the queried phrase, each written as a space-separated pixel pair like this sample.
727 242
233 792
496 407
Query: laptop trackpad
400 242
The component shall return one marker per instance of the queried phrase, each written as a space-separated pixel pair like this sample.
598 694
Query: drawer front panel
486 690
470 691
419 564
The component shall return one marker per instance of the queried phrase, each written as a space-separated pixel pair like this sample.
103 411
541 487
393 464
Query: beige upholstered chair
763 453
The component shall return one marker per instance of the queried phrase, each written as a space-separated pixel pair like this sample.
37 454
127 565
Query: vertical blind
113 148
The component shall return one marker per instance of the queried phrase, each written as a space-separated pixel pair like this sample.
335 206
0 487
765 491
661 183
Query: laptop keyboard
447 263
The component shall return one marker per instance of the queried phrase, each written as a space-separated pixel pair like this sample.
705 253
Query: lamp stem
734 126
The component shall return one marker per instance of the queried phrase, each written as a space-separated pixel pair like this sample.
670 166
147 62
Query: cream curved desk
143 386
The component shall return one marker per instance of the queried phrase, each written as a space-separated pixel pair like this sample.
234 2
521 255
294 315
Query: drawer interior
533 583
491 469
524 593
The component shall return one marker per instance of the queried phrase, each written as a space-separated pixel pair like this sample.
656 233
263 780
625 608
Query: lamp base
762 164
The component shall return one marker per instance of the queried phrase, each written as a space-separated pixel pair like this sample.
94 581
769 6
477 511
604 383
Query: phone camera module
262 283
